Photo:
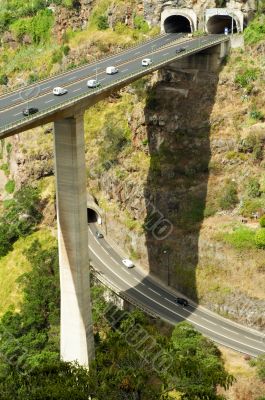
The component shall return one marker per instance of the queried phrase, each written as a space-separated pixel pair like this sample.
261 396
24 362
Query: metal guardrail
113 83
83 66
106 282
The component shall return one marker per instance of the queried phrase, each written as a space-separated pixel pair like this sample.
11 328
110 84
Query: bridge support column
77 342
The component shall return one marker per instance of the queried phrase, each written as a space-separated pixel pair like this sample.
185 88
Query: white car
146 62
111 70
58 91
93 83
128 263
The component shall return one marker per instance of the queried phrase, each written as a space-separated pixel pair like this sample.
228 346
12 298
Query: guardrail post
77 342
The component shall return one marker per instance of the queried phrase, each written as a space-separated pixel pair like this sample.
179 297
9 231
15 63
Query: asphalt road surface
153 296
160 49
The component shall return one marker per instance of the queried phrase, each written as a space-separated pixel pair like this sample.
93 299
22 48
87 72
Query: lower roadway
155 298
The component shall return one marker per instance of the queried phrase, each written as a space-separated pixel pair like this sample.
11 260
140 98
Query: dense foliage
20 216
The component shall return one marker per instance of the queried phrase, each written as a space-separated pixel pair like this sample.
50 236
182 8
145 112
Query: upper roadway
156 299
161 49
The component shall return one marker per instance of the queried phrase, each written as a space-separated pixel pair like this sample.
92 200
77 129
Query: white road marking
73 77
152 290
172 311
17 114
124 70
227 329
102 80
138 52
46 87
119 60
165 54
254 340
205 319
49 101
76 90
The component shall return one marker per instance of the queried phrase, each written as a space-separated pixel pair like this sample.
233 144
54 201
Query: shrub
102 22
248 76
33 78
251 206
256 114
140 24
3 79
260 238
10 186
229 197
262 221
253 188
57 56
255 31
66 49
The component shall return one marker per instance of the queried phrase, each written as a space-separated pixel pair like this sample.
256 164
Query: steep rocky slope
176 166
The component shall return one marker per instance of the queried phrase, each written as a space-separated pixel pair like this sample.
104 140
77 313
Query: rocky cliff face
152 10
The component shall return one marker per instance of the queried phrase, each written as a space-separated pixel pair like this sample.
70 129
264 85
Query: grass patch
15 264
241 237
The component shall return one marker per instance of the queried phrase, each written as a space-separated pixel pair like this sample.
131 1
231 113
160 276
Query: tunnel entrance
177 23
92 216
218 23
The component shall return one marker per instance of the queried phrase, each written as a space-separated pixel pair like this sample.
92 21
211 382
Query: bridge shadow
177 116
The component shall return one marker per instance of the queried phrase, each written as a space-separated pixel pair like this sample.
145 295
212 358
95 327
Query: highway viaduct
67 113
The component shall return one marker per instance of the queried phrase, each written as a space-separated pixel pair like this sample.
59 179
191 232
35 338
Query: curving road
162 50
157 300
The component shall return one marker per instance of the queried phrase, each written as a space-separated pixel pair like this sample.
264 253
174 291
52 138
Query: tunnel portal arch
94 213
217 19
175 20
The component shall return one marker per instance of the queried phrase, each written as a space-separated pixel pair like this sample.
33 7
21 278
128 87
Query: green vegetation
228 199
183 363
260 364
37 27
260 238
242 237
253 188
3 79
262 221
251 206
19 218
10 186
245 78
140 24
256 114
15 264
102 22
255 31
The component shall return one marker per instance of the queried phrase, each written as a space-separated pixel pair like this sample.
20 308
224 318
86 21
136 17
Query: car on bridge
93 83
180 49
111 70
146 62
29 110
59 91
128 263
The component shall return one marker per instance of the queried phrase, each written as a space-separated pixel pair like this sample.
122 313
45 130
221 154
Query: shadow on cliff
177 116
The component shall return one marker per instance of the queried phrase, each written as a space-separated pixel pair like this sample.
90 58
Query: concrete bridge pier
77 342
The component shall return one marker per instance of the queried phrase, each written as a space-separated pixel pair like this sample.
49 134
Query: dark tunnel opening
92 216
177 23
218 23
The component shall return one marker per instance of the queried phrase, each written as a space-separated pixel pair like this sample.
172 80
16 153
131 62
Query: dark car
99 235
29 111
182 302
180 49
